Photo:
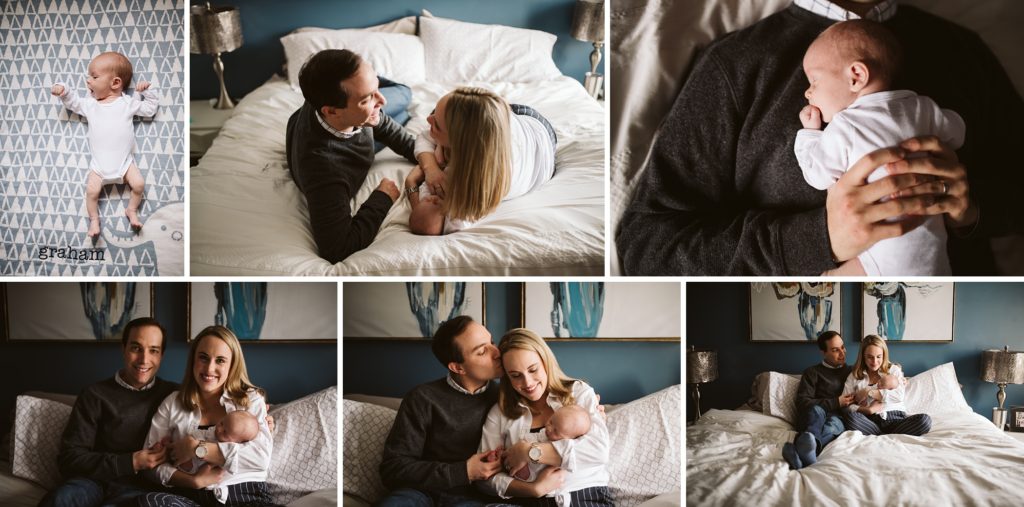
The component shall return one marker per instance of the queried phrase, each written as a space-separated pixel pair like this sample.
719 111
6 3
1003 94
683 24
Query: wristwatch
535 453
201 449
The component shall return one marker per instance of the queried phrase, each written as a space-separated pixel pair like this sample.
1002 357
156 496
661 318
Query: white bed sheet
248 217
735 458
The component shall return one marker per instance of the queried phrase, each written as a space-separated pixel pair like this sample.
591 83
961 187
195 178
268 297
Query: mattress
249 218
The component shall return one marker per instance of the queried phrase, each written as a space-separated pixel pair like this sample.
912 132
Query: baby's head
110 73
570 421
848 60
238 426
888 382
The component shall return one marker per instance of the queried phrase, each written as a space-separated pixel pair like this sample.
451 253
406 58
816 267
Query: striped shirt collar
333 131
455 385
126 385
883 11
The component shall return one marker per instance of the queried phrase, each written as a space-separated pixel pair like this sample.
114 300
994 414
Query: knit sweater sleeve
394 136
688 216
403 464
77 457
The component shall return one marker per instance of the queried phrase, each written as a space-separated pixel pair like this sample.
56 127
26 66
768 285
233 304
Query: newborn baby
569 422
862 397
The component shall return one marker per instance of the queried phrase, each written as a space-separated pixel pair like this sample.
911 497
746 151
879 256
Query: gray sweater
821 385
437 429
107 425
723 193
329 171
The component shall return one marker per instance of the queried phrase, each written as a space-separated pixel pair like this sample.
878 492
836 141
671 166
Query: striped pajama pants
587 497
896 422
245 494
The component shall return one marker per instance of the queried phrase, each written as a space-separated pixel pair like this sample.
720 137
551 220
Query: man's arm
77 458
403 464
396 137
805 395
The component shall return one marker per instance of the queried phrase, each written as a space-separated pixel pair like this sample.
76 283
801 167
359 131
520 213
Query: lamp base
999 418
594 83
224 102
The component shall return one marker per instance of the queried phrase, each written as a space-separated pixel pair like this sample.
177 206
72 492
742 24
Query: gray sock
806 448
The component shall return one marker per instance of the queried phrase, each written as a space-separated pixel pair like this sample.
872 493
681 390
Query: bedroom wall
286 371
619 371
986 315
266 21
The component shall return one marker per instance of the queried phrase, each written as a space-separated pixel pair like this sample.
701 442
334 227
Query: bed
733 457
248 217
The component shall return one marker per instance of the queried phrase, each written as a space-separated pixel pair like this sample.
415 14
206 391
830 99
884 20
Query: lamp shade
701 366
1002 366
215 29
588 21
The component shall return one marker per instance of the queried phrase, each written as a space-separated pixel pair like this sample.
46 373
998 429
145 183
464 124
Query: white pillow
406 25
645 447
38 425
935 391
305 455
397 56
366 428
459 52
780 396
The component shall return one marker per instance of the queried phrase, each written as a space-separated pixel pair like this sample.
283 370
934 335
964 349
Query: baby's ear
116 83
858 75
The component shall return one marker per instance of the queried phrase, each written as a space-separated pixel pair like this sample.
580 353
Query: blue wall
619 371
985 316
264 22
287 371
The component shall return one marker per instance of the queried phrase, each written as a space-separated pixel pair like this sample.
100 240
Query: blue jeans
409 497
823 425
82 492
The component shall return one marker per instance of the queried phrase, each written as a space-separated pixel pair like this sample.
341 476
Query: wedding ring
945 187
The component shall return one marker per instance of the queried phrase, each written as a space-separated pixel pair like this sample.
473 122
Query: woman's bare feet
133 218
94 227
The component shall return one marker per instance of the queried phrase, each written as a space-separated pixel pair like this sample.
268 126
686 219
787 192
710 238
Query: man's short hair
321 76
869 42
444 346
823 339
143 322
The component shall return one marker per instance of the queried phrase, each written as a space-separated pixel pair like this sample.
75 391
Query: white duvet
248 218
735 458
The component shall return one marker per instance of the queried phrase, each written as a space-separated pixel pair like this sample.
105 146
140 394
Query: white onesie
880 120
111 133
562 498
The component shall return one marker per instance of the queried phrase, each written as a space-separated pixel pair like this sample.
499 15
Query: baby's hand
810 117
142 86
57 90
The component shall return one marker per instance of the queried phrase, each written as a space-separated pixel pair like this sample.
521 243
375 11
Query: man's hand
949 185
600 407
148 459
810 117
388 187
845 400
57 90
548 480
270 420
207 475
142 86
478 469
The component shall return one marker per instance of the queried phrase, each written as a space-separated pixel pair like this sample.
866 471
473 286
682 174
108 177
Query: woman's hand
548 480
517 457
948 186
436 181
148 459
207 475
183 449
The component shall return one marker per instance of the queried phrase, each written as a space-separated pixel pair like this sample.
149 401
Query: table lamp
588 26
701 368
216 30
1002 367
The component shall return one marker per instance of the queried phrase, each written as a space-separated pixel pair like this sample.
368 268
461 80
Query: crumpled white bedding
735 458
248 218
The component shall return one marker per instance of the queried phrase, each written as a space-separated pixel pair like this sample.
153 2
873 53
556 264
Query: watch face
535 453
201 451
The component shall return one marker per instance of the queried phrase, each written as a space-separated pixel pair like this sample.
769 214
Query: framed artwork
407 310
909 311
63 311
793 311
266 311
1015 418
574 311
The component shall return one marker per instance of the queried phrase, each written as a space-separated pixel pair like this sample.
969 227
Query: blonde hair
559 384
479 169
859 368
237 384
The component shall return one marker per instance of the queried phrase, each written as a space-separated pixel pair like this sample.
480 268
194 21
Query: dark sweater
329 171
437 429
821 385
723 193
108 423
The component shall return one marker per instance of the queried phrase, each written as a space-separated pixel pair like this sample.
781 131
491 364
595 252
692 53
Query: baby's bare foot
94 227
133 218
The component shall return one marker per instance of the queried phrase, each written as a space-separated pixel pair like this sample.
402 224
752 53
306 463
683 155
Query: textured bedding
734 458
248 217
44 153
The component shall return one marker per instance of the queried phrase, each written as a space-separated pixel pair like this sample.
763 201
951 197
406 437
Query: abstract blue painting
603 310
793 311
909 311
85 311
407 310
266 311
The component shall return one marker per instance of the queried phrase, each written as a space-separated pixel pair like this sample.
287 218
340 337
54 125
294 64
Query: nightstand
1019 435
204 125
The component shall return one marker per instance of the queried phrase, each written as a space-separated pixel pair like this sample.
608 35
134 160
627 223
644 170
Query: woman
532 388
494 151
216 382
878 389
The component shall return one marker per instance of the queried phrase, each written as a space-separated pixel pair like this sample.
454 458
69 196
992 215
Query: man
101 451
723 194
818 401
330 148
430 455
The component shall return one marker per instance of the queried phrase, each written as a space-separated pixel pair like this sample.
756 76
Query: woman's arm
492 437
896 394
163 426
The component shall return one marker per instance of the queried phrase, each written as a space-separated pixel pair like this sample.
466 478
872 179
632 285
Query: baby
850 67
568 422
237 427
885 382
111 134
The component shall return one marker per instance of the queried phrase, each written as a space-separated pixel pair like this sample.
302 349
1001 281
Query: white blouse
584 458
892 398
